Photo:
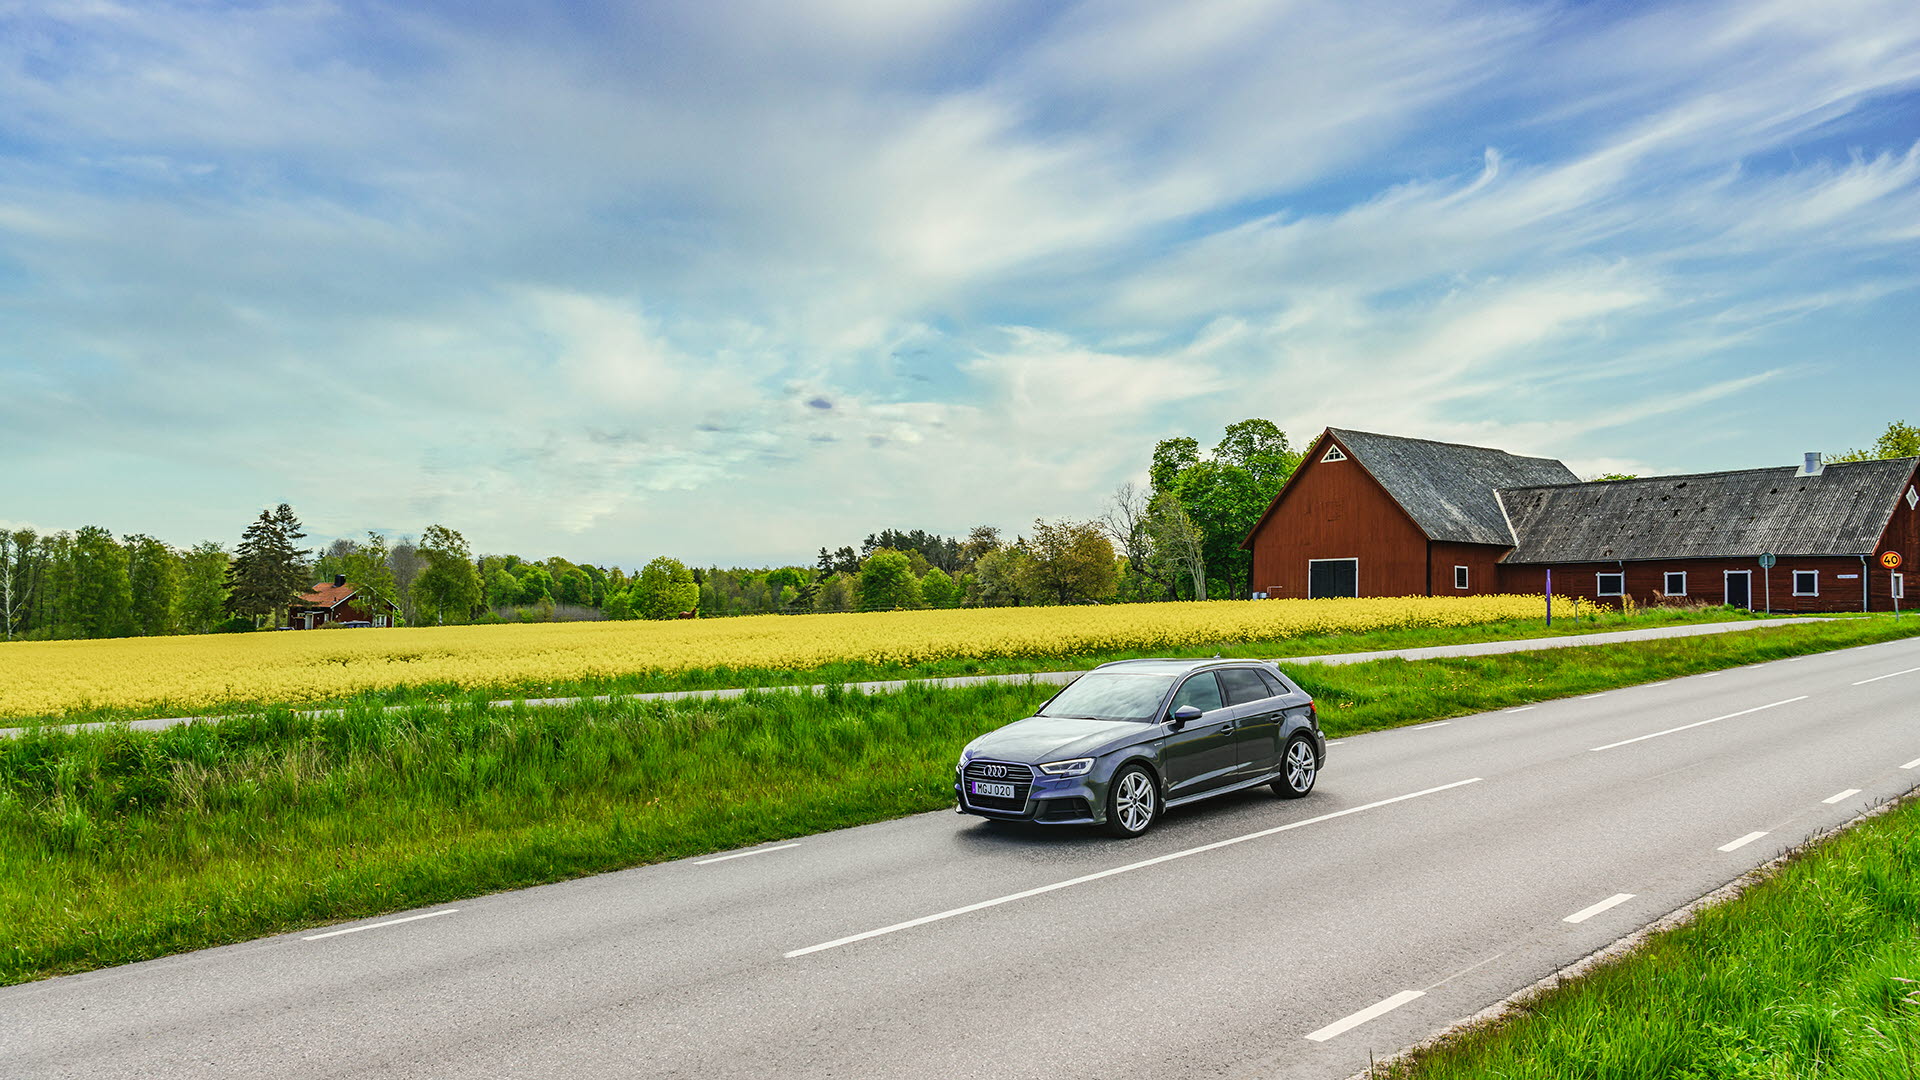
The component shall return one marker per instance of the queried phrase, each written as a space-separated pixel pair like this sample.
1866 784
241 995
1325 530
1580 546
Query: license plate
996 791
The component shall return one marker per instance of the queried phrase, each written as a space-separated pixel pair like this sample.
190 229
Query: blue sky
734 281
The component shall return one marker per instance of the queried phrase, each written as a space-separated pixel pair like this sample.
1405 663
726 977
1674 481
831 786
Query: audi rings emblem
993 770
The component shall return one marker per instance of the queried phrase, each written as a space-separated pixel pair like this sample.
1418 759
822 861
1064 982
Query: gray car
1128 739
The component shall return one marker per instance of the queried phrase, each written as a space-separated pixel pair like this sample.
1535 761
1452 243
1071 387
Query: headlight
1076 767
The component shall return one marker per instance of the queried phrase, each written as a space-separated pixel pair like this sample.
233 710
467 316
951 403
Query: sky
731 282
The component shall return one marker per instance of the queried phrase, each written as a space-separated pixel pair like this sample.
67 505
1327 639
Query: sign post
1891 560
1766 570
1549 596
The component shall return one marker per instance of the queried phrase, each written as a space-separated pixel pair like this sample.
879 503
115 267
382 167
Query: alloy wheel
1300 765
1134 801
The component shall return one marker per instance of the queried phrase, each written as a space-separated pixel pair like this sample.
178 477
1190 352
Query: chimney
339 580
1812 466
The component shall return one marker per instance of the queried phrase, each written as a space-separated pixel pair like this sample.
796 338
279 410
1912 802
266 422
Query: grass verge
1812 973
118 845
722 677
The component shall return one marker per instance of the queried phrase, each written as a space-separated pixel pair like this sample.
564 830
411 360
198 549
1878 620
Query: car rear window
1111 695
1243 685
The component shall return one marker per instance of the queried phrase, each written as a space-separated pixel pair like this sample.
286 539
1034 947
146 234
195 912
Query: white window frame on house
1333 453
1599 583
1459 577
1668 582
1798 591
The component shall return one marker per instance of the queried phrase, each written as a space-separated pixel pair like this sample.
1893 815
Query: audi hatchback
1129 739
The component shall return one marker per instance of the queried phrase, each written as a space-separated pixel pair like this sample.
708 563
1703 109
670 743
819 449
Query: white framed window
1459 577
1806 583
1333 454
1609 584
1899 586
1676 583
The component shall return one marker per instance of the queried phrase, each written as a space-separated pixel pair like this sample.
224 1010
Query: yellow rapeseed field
56 677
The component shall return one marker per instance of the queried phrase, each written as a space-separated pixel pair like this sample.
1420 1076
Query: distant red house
1381 515
339 602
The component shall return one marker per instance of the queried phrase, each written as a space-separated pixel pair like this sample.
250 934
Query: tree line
1175 538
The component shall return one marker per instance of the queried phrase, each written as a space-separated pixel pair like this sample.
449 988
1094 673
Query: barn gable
1448 488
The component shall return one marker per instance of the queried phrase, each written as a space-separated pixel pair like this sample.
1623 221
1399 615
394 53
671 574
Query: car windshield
1111 695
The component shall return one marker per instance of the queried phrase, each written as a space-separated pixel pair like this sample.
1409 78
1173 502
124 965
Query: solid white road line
1141 865
1710 674
1377 1009
1589 912
1888 675
1590 697
744 854
1914 764
1436 723
378 925
1847 794
1742 842
1698 723
1522 708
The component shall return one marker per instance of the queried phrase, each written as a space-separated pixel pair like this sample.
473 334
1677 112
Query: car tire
1133 802
1299 768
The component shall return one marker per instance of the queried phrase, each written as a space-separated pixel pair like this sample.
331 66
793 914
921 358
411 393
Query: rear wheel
1132 802
1298 769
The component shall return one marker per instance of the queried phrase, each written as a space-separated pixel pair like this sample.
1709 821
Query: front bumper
1070 800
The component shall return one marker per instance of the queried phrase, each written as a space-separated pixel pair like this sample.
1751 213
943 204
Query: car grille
998 772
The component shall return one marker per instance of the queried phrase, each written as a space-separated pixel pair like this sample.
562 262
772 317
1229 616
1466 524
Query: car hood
1053 738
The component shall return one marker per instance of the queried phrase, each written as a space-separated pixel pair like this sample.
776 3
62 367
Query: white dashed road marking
1589 912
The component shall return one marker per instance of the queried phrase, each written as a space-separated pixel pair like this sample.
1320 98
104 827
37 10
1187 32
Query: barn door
1740 588
1333 577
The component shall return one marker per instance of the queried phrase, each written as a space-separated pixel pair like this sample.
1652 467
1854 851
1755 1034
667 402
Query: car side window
1274 685
1202 692
1243 685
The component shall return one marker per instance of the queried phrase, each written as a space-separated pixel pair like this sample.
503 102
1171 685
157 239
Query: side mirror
1184 715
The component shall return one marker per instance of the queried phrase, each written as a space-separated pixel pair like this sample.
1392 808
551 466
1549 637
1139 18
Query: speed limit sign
1890 560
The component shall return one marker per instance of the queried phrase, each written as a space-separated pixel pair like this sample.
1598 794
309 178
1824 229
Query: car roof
1173 666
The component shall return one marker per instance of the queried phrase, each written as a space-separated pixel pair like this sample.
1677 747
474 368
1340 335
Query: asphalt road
1435 871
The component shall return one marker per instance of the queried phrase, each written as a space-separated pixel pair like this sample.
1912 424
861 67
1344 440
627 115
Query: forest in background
1176 538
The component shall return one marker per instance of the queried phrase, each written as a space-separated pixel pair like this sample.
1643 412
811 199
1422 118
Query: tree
938 590
887 582
267 571
619 605
503 589
364 563
665 589
980 540
1899 440
404 565
152 580
1072 561
18 565
449 587
573 586
836 594
102 600
535 584
1126 525
1002 579
200 601
1225 493
1178 545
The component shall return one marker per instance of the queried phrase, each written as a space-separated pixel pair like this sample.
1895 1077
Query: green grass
1353 698
1814 973
721 677
118 845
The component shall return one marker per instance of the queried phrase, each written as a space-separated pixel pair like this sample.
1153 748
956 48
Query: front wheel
1132 802
1298 770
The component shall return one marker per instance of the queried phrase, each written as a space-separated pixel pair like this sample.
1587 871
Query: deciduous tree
448 590
665 589
1072 561
887 582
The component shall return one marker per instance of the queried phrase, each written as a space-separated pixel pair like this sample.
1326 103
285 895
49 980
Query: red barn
1380 515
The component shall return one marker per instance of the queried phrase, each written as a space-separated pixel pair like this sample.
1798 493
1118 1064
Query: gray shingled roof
1448 488
1842 511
